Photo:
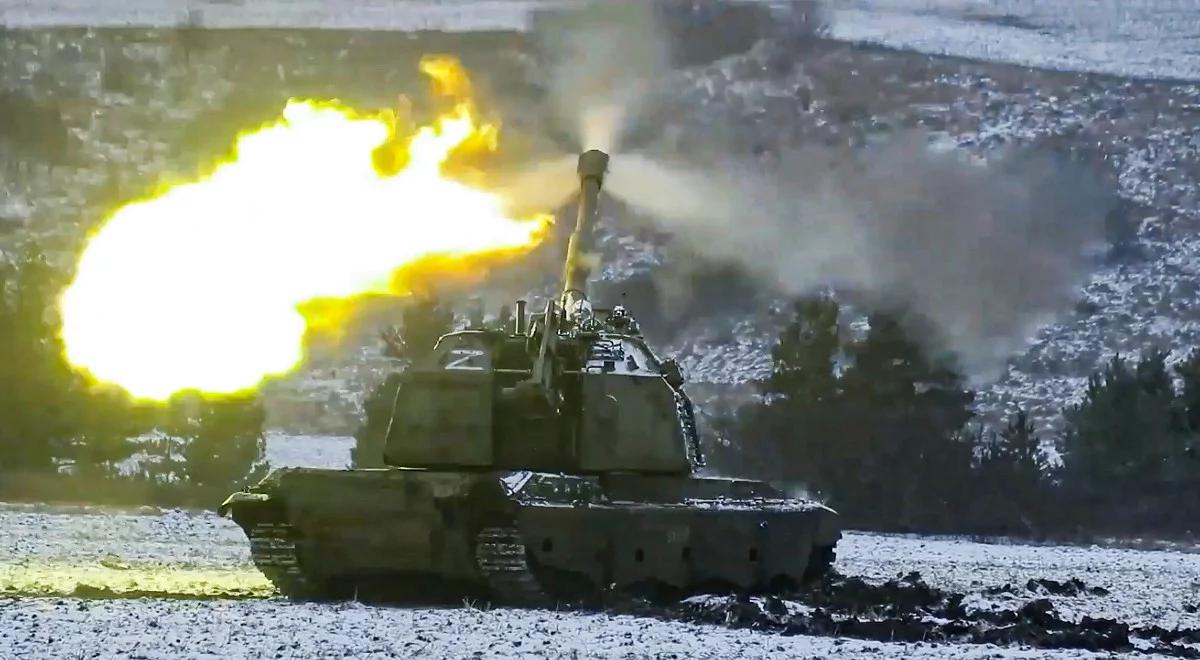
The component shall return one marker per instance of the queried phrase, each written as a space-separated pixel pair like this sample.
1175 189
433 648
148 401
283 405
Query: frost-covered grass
47 533
328 451
113 578
55 550
273 629
1135 38
1141 38
1146 587
406 15
201 561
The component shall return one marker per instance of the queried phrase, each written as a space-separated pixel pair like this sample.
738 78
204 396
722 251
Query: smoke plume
546 184
604 57
979 253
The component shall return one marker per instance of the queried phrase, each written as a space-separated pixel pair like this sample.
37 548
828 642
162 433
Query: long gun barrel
592 166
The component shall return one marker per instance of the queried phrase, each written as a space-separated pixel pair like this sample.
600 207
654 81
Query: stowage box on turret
551 461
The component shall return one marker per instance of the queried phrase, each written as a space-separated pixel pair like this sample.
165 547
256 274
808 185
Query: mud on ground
907 609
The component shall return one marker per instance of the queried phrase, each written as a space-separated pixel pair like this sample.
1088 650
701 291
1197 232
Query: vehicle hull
527 537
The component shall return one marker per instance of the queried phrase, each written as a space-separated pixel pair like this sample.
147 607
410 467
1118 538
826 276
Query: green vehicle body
552 461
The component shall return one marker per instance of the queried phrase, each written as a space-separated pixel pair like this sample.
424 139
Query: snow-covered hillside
1135 38
411 15
1132 38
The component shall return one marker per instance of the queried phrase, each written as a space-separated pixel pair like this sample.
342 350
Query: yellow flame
199 287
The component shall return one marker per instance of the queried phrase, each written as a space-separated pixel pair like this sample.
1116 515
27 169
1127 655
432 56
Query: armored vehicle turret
552 460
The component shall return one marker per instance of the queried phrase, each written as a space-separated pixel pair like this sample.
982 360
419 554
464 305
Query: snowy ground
1136 38
408 15
1146 587
200 563
45 628
205 599
329 451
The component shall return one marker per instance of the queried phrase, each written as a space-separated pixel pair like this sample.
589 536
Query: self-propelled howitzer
552 460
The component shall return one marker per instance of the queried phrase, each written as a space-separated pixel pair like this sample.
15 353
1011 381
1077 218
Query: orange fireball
200 286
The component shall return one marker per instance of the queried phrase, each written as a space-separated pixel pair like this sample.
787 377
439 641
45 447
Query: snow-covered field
331 451
1145 587
148 583
406 15
67 628
1140 38
212 603
1135 38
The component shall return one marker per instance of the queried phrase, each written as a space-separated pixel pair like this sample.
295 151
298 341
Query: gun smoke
604 59
976 254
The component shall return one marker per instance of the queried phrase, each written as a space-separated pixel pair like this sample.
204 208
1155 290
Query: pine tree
803 357
1189 397
883 441
891 370
48 411
789 436
1020 452
905 417
107 422
40 397
223 439
1120 436
1128 447
1013 478
1187 409
22 444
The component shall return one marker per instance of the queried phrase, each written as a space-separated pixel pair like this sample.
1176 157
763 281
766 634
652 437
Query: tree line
886 434
56 424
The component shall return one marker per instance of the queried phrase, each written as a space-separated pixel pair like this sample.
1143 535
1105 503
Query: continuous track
503 561
276 550
274 547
